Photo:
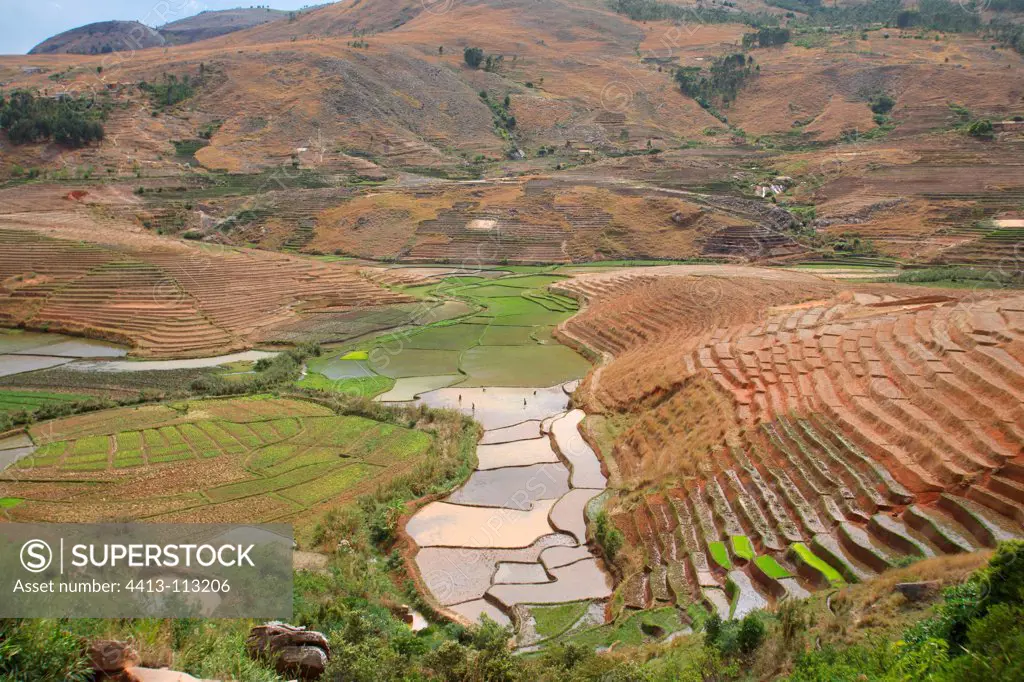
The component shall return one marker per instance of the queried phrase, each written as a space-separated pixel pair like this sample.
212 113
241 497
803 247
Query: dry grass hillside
391 146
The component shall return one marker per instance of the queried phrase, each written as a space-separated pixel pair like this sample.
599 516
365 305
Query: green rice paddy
262 457
720 554
742 547
29 401
806 556
770 567
503 340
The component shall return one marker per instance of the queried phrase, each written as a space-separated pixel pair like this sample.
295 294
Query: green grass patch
806 556
311 457
90 445
356 355
647 625
274 454
8 502
720 554
960 277
402 446
488 291
532 281
515 305
554 620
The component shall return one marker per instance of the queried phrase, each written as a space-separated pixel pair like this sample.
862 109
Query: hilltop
210 24
101 37
120 36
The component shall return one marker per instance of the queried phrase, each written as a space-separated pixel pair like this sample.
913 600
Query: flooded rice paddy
521 453
164 365
500 407
515 533
22 351
15 447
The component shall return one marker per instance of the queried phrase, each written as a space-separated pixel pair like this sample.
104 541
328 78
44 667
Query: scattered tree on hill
473 56
720 84
882 104
493 62
1008 33
981 128
766 37
170 90
72 121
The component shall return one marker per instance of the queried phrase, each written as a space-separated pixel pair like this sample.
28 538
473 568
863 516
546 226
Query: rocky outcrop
294 651
919 590
112 658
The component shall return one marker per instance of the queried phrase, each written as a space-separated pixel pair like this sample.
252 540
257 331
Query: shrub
768 36
41 650
981 129
882 104
607 536
721 83
752 633
1003 578
169 91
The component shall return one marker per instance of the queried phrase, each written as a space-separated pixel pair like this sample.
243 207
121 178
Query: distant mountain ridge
122 36
100 38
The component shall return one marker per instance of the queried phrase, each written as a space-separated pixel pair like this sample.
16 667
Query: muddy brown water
441 524
516 574
499 407
514 487
459 574
487 537
586 467
515 454
16 364
527 430
582 580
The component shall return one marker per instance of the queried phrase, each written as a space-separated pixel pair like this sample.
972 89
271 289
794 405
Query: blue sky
26 23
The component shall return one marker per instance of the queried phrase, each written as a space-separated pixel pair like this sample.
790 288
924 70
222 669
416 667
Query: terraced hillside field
165 299
245 459
815 442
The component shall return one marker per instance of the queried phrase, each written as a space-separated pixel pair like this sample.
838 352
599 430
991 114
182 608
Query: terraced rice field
244 459
29 401
815 443
504 339
170 301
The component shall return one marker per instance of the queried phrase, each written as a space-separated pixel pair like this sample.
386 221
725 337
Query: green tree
473 56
